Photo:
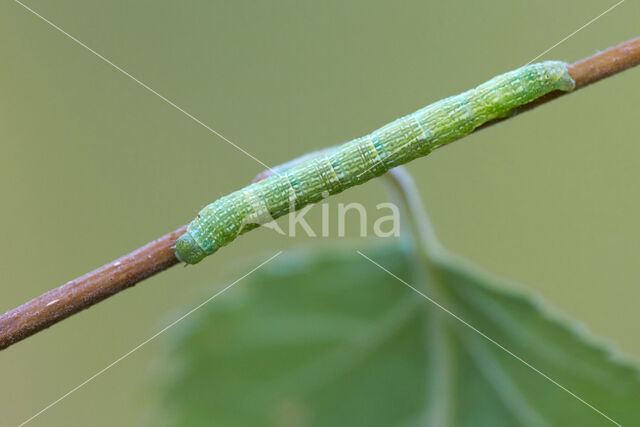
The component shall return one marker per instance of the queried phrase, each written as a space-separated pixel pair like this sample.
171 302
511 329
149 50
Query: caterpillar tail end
562 79
188 250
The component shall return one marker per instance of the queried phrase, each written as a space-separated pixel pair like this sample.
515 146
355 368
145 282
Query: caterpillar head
188 250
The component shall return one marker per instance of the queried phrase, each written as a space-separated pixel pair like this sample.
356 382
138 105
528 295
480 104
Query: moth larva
362 159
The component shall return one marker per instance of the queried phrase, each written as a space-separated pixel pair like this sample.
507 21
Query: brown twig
83 292
93 287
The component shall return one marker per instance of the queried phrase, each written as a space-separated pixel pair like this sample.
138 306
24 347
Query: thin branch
93 287
78 294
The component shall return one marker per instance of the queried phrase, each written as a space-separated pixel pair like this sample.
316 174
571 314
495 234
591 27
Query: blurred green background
92 165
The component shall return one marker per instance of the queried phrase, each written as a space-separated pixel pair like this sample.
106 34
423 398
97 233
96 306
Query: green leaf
331 339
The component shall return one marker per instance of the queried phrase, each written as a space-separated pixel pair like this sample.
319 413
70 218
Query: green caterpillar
298 184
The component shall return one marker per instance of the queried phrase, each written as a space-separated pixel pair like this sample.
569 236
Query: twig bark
156 256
